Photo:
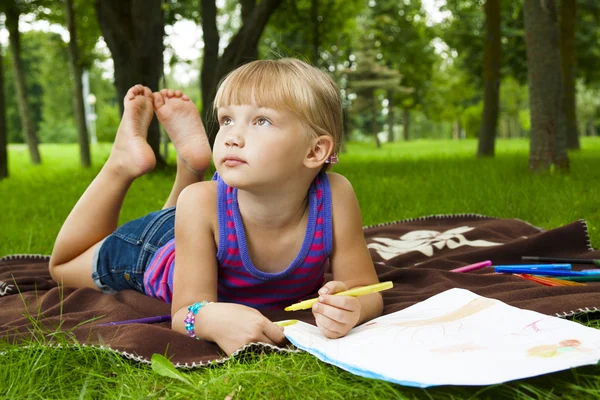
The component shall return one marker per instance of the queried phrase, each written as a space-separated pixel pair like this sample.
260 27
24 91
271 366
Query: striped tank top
239 281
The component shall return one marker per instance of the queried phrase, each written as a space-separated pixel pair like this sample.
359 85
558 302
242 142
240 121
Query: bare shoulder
200 193
199 199
342 191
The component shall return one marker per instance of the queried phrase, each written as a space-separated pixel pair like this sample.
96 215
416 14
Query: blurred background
407 69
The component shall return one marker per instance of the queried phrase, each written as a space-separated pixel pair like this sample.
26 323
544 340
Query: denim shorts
122 258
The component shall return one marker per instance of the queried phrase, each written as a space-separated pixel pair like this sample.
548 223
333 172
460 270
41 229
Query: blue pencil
535 266
548 272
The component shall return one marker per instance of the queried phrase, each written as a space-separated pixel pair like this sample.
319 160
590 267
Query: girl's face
258 146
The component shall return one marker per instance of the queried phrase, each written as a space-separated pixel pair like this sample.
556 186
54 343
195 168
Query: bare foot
131 154
180 118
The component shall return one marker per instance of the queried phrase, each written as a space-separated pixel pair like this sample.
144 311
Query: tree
313 29
548 144
3 130
133 31
568 20
404 40
241 49
13 12
491 74
366 79
77 73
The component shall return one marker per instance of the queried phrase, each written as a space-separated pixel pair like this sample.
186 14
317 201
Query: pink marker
472 267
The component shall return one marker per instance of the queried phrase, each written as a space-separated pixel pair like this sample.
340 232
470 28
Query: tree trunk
316 37
3 132
78 105
241 49
374 112
568 20
390 116
491 76
548 144
591 128
133 31
456 129
247 8
12 24
406 123
210 62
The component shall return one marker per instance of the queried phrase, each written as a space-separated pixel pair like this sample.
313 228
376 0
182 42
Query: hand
336 315
233 326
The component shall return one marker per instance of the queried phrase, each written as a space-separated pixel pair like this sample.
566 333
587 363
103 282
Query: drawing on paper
422 345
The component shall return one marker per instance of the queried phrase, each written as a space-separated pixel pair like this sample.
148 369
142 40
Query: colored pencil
147 320
355 292
549 281
472 267
562 260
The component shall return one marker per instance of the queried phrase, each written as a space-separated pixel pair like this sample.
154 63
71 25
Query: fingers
333 287
336 315
273 333
346 303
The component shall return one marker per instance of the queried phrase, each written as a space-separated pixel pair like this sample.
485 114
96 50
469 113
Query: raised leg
96 214
181 120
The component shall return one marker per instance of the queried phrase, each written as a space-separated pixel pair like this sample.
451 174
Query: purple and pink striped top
239 280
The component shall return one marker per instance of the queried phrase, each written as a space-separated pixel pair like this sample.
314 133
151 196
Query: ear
321 148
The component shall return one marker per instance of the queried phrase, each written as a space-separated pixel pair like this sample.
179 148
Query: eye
224 121
262 121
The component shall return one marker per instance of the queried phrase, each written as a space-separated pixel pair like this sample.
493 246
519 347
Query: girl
259 235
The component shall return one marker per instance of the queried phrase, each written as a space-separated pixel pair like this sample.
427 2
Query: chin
233 178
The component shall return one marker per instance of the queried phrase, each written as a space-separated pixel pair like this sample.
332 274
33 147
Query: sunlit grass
399 181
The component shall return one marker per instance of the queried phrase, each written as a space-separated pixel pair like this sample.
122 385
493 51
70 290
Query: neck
275 209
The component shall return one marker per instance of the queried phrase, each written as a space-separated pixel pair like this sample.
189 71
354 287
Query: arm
351 266
195 278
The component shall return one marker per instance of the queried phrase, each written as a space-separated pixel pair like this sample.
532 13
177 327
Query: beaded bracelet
190 318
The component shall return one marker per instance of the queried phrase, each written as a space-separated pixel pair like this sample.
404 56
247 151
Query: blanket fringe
143 360
434 216
579 311
21 256
587 234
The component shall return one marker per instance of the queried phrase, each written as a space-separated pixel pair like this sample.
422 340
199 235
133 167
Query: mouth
233 161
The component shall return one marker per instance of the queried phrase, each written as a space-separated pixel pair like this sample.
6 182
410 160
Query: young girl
259 235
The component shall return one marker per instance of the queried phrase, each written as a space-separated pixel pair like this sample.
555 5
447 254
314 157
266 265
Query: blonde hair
291 84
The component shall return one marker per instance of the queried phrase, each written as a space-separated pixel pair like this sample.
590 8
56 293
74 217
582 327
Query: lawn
399 181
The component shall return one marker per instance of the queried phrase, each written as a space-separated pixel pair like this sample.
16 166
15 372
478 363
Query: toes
185 97
170 92
164 92
147 92
134 91
158 100
178 93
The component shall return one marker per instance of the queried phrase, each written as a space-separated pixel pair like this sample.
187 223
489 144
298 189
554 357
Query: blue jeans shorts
122 258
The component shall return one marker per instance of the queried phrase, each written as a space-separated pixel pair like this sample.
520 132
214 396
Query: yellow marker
287 322
378 287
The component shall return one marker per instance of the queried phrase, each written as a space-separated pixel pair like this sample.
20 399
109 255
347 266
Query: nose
234 138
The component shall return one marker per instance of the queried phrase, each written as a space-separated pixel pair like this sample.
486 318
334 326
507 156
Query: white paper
455 338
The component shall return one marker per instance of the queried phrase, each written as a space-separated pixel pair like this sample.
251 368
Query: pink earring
332 159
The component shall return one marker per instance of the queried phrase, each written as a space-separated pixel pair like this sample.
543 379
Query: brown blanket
416 254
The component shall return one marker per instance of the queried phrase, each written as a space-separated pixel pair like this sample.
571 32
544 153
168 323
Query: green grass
399 181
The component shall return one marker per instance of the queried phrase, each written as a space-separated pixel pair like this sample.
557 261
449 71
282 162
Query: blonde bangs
268 83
